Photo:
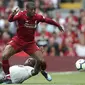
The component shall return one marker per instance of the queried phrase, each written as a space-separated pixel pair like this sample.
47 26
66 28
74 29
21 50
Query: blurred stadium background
61 50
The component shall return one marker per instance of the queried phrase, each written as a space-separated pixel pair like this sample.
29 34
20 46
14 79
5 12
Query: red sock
5 65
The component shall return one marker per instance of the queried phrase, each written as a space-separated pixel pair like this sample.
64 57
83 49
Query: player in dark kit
27 22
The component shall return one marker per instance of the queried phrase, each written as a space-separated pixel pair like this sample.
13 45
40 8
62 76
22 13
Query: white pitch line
62 73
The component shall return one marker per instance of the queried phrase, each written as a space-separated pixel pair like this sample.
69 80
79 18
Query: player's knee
41 60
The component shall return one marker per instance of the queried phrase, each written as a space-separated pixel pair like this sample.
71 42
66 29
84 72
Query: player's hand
15 10
61 28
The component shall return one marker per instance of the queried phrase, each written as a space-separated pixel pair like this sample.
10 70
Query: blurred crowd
52 42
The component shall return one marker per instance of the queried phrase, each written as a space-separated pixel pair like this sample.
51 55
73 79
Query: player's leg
6 54
12 47
40 64
34 51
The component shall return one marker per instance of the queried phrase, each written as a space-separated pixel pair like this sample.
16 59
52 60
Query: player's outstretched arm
12 16
52 22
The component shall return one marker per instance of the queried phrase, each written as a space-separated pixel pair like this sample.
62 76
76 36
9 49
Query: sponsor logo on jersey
28 25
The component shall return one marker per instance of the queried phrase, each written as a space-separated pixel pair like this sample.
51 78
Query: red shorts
19 45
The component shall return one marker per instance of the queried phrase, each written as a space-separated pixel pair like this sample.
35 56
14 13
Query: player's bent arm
12 17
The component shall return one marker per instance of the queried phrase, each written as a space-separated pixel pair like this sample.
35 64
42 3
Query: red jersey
27 25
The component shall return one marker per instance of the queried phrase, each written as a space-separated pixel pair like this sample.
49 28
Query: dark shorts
19 45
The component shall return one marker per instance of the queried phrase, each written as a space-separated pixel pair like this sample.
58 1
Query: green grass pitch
58 78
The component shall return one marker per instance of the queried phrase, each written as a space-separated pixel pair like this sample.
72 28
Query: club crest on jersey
29 25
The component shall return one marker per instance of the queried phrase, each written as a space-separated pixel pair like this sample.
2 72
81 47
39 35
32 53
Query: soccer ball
80 64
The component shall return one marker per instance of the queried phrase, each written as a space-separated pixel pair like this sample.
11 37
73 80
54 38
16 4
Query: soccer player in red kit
27 22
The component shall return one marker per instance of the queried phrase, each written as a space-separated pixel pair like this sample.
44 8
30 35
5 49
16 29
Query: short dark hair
30 4
30 62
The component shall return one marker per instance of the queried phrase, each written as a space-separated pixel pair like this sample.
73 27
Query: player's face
31 11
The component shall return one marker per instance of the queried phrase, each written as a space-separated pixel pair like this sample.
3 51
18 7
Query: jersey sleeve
48 20
12 18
